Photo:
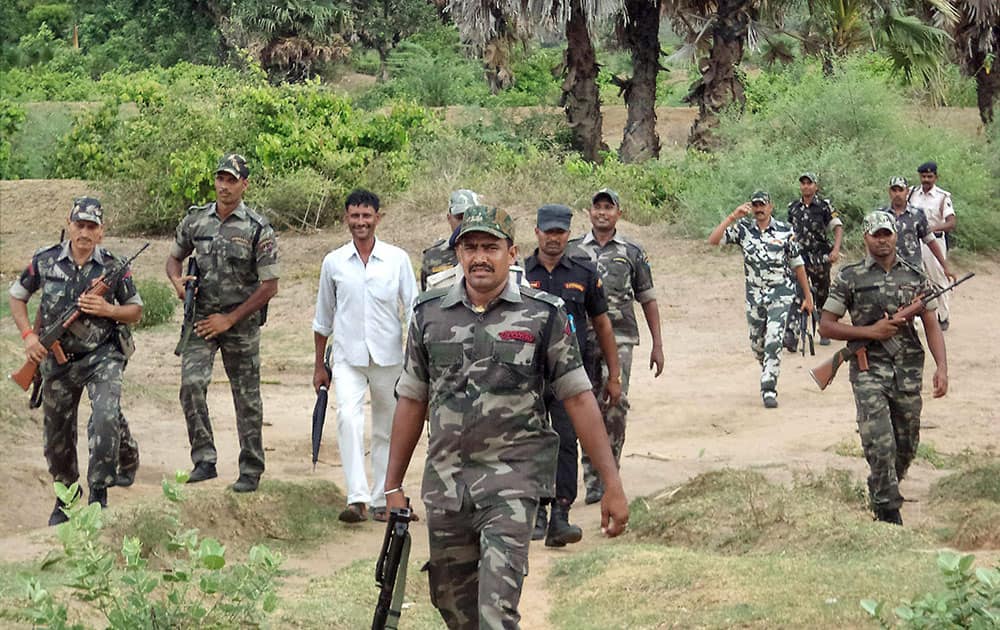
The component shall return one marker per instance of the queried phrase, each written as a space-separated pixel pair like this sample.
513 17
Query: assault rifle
49 337
190 289
806 335
824 373
390 571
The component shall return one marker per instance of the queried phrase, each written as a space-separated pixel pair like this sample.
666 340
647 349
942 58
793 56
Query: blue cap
554 216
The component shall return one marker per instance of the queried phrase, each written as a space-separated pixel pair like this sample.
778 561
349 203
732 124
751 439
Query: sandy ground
703 413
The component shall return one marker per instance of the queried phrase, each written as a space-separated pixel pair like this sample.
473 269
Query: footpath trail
703 413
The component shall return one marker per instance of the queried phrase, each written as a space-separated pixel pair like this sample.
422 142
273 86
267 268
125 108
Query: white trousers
350 383
935 273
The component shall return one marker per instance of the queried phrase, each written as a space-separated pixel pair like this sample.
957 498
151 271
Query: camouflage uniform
811 224
234 256
627 278
887 395
911 230
768 257
437 258
94 348
491 451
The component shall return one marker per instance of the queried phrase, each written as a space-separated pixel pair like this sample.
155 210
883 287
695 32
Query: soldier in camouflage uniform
887 394
441 255
811 218
95 346
479 357
627 279
237 254
769 251
912 229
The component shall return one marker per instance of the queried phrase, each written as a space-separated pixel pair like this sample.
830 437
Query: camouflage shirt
53 270
868 292
483 373
811 223
437 258
768 256
234 255
626 276
911 229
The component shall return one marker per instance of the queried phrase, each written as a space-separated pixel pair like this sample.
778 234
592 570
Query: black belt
939 234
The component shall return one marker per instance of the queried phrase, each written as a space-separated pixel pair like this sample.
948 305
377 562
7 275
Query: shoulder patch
430 295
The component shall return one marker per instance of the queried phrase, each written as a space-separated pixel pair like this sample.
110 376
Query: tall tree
580 95
977 39
639 32
382 24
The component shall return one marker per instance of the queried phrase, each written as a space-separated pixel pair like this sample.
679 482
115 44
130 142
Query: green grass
13 585
159 302
967 506
35 141
346 600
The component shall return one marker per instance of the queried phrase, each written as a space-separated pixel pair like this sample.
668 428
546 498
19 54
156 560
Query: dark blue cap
928 167
554 216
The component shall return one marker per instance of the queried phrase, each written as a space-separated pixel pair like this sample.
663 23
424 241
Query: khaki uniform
887 395
491 450
234 256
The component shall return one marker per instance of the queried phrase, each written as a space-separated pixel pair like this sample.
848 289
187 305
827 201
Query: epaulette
912 267
259 219
538 294
586 263
42 250
431 294
437 243
192 209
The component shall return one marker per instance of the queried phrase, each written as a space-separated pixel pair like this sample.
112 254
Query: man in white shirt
936 204
366 293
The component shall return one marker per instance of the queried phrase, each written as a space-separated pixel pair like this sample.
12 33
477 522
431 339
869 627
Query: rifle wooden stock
824 373
26 374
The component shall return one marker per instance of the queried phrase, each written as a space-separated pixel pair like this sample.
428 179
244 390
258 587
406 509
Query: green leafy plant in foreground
971 601
196 587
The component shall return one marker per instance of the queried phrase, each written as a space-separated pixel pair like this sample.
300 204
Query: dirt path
703 413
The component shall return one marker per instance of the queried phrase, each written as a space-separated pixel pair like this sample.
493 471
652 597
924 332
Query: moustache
488 268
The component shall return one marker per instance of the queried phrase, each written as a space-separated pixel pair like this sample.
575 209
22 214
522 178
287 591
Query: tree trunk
581 97
383 64
719 85
641 35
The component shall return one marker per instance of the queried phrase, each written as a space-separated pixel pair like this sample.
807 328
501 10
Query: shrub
11 118
159 301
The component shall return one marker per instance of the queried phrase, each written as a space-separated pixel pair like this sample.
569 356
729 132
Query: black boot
99 495
541 522
887 515
202 471
560 532
58 516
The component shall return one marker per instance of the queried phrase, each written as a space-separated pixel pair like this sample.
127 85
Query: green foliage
197 587
856 131
159 300
11 118
972 599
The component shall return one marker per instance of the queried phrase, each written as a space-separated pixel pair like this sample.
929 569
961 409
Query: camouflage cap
897 182
234 164
87 209
486 219
760 195
810 176
878 220
609 193
461 200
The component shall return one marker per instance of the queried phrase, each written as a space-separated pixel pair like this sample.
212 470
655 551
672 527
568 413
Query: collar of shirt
532 261
871 262
754 226
458 295
378 250
240 212
67 254
590 238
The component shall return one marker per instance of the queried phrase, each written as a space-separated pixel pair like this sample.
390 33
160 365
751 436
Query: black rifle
805 333
190 289
390 571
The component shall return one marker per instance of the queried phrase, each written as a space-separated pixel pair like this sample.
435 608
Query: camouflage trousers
109 439
240 346
614 415
767 323
478 560
889 424
819 281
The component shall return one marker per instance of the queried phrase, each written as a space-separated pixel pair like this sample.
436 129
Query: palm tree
639 32
977 40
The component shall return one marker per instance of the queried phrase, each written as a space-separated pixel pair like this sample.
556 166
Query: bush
11 118
159 301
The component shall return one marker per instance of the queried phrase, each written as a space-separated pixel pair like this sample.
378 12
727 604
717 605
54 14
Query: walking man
941 221
912 229
627 279
579 285
441 255
887 393
366 293
769 251
479 357
812 218
237 255
96 346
